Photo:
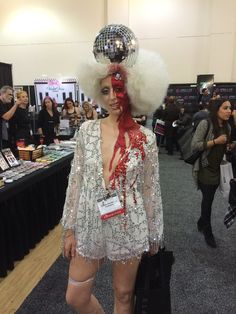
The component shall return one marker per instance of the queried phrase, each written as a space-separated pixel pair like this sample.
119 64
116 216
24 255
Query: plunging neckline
101 160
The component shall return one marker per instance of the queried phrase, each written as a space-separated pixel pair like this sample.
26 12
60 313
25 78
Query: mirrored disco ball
116 43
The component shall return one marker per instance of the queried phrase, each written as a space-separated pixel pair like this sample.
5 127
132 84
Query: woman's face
86 107
224 111
23 98
48 103
113 94
69 104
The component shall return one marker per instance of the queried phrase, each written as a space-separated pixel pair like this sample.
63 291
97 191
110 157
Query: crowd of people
16 124
213 128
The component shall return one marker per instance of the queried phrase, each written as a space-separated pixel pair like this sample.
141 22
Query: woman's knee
123 295
78 298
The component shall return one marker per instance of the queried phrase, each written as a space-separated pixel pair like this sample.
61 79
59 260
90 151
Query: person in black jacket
6 113
159 115
184 121
231 153
48 121
171 115
183 124
21 119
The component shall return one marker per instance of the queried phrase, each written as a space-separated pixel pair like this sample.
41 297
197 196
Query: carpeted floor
203 279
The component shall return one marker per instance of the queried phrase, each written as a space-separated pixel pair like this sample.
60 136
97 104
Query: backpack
185 145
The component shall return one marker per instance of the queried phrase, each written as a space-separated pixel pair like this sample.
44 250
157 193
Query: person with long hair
88 112
70 112
211 137
113 206
48 121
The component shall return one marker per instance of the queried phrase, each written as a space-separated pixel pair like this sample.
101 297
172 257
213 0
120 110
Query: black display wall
5 74
226 90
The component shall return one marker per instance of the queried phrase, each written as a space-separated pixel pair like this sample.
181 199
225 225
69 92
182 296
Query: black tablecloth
29 208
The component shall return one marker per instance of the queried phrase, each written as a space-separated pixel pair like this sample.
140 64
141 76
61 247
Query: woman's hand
69 246
153 248
222 139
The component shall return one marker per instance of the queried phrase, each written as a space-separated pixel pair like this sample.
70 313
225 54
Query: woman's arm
199 141
152 193
10 113
68 220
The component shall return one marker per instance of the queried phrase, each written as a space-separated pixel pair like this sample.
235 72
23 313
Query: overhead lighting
31 21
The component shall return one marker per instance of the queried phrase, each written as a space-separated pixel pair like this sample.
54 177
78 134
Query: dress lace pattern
124 236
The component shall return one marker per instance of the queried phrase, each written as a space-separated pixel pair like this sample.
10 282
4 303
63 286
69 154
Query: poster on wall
205 81
56 89
185 94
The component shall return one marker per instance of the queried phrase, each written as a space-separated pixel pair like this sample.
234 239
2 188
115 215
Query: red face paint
119 89
125 125
125 119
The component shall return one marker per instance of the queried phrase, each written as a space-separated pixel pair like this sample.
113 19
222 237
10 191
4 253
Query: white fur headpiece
147 81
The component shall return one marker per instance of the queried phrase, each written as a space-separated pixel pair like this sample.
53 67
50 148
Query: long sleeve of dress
74 185
152 194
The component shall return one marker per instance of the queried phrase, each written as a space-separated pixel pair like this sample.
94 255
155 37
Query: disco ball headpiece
116 43
146 74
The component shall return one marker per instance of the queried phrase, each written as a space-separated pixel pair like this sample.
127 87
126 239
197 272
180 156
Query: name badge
110 206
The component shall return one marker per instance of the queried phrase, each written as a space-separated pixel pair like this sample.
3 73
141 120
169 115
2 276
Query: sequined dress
124 236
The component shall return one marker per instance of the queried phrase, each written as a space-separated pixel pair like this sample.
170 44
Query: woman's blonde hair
87 103
20 93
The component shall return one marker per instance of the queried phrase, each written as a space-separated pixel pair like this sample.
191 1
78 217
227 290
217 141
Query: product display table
29 208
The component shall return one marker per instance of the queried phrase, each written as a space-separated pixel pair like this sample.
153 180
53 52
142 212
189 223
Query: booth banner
226 90
56 89
205 81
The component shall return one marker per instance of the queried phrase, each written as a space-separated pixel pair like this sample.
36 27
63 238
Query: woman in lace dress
113 206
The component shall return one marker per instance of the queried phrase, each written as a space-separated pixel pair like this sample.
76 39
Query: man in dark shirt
204 97
6 113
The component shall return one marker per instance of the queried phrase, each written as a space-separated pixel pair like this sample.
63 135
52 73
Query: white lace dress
124 236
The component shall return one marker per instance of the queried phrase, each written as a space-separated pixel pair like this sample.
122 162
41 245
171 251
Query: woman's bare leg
124 276
80 284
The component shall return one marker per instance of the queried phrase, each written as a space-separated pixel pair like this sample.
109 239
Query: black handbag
185 141
152 288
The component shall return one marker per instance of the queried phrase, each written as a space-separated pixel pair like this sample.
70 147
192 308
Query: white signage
56 89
